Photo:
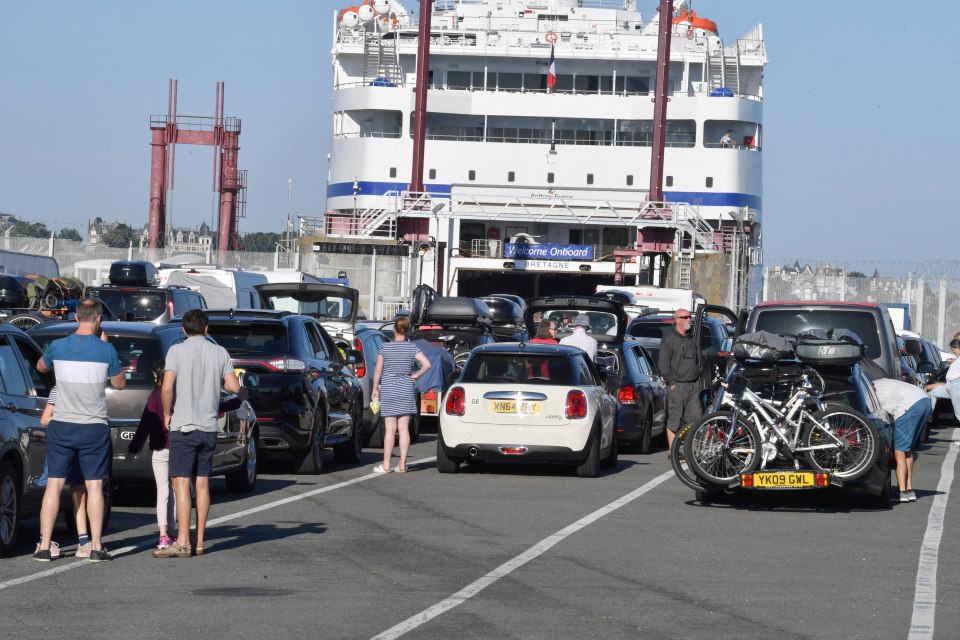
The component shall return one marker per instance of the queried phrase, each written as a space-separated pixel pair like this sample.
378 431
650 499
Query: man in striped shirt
83 363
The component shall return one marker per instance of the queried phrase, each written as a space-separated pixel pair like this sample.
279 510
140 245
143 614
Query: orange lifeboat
693 21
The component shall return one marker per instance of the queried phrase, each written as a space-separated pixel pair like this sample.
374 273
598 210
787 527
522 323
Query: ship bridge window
465 80
518 129
634 133
584 131
452 126
681 133
509 81
369 123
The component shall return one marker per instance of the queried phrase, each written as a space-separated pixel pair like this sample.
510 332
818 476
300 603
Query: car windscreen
137 355
601 322
133 304
312 304
518 369
251 338
794 321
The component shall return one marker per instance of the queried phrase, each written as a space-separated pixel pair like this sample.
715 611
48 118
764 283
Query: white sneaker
54 550
83 551
380 469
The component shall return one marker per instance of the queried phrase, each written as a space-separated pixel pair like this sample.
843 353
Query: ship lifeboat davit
688 23
350 17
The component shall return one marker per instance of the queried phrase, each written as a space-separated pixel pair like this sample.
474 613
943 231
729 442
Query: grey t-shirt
200 366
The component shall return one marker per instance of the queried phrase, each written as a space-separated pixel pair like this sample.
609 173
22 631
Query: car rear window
794 321
313 304
137 354
518 369
133 304
251 338
601 322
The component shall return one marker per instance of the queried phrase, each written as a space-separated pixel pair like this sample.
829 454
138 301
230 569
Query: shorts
74 477
191 453
908 427
71 445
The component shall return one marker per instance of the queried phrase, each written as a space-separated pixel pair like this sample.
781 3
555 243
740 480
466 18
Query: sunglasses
684 317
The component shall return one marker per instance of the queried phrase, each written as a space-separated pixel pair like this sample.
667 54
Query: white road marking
246 512
925 594
515 563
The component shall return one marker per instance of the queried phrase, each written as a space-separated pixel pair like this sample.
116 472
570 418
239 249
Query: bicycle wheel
678 461
718 452
848 443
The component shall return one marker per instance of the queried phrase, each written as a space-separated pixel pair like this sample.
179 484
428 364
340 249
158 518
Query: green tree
70 234
261 241
120 236
29 230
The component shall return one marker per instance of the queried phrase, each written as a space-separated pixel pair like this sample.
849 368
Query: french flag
552 71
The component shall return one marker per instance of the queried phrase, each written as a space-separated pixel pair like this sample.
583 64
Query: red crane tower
219 132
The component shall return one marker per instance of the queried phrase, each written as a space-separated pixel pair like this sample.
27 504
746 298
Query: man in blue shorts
195 370
79 432
911 409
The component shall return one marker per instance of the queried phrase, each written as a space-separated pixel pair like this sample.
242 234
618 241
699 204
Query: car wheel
9 508
70 519
312 461
610 461
647 438
414 429
376 437
352 449
882 500
590 467
445 464
244 478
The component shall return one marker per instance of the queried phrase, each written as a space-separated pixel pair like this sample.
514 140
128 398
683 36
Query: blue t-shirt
83 366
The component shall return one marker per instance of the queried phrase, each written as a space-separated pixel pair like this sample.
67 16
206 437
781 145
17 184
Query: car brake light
627 395
362 364
170 307
576 404
456 402
287 364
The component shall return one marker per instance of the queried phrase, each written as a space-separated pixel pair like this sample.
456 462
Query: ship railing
680 216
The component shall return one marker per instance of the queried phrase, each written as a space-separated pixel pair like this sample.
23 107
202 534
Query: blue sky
858 137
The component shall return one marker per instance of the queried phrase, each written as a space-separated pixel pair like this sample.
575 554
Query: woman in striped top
395 388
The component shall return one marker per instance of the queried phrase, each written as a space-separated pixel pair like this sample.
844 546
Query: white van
650 297
221 288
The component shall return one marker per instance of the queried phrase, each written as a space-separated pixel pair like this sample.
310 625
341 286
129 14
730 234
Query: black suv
23 442
133 294
302 389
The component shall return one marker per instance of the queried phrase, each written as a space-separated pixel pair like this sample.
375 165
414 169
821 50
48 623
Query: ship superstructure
517 156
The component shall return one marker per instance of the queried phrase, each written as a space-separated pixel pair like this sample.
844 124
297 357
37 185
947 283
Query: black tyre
590 467
26 321
646 441
678 460
10 499
882 499
311 462
718 451
848 443
610 462
414 429
244 478
376 437
351 450
445 464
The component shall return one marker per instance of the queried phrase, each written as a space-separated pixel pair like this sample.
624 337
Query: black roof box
134 273
505 311
457 310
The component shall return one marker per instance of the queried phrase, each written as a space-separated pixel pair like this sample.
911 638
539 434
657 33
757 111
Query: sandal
401 469
198 549
175 550
380 469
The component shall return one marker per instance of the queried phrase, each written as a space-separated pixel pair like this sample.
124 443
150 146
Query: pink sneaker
165 541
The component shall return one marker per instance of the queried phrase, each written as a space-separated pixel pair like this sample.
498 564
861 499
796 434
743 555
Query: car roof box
457 310
134 273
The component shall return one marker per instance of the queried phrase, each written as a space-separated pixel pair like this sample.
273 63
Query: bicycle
754 433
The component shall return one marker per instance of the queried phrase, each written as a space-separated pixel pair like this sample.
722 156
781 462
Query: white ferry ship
532 189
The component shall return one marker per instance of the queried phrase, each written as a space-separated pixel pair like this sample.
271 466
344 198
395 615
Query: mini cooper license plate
514 406
782 480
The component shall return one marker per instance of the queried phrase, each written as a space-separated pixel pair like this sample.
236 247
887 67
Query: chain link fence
931 290
382 280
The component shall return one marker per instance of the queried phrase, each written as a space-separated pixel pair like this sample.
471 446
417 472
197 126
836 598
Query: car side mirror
249 379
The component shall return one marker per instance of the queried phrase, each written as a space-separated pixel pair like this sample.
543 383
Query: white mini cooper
525 402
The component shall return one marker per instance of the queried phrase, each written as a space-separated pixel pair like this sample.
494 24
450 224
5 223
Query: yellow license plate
782 480
513 406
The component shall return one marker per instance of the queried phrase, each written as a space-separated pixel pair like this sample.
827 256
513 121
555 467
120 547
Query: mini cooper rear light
627 395
513 451
576 404
456 402
362 363
287 364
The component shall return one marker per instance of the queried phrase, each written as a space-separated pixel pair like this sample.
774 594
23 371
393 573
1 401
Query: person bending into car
193 374
951 388
911 409
680 364
394 386
83 362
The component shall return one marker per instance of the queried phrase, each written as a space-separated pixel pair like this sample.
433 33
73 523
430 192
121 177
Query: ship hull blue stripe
703 198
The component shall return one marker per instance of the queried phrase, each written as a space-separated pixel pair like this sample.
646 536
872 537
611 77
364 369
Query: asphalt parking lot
510 552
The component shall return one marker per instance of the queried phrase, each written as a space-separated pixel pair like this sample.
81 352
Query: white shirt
954 371
896 396
579 338
727 139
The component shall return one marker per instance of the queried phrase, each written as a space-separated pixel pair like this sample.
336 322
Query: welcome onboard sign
523 251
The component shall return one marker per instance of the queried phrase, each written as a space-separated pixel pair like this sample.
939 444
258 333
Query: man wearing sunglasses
680 366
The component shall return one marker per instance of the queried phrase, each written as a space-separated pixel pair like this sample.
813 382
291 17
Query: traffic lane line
210 523
516 562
